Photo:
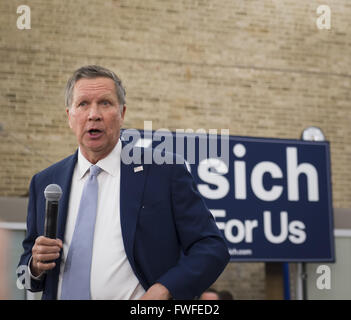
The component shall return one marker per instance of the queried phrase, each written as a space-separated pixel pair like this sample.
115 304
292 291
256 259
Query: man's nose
94 112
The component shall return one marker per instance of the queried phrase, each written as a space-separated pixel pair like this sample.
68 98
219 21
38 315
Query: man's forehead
91 87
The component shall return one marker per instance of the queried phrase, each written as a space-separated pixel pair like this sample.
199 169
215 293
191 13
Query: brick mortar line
213 65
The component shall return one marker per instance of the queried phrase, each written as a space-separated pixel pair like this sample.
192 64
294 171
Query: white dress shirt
111 274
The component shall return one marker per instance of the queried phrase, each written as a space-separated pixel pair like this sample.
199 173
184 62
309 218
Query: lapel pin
137 169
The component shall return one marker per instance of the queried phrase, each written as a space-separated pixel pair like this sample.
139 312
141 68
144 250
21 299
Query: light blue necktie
76 275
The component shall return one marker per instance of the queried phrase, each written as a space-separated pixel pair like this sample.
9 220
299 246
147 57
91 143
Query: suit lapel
64 179
133 177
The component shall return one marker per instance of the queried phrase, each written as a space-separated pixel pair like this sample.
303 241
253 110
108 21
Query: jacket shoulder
57 167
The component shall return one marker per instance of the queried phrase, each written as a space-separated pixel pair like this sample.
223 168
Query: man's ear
68 117
123 112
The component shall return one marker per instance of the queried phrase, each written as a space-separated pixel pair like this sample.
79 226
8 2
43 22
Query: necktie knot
95 170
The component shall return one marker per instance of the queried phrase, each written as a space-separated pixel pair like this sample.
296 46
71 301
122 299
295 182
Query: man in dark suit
151 235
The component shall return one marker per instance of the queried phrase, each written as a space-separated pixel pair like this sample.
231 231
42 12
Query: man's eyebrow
107 96
103 96
81 97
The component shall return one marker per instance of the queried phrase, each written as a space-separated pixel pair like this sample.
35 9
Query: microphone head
53 192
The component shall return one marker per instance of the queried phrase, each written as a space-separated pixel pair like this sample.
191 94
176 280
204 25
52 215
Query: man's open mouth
94 132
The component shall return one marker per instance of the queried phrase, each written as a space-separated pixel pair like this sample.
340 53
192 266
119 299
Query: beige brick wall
259 68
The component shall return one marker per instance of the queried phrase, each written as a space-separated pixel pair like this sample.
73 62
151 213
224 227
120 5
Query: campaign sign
271 198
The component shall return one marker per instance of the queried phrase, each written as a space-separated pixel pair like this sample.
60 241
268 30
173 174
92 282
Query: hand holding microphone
47 248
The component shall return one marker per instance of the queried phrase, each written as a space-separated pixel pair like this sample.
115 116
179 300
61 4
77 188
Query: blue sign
271 198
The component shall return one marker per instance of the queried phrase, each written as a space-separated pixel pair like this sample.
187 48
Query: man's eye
106 102
82 104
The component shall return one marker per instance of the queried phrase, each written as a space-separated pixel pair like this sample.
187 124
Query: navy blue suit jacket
169 235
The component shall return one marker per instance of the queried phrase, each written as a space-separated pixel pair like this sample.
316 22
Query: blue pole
286 275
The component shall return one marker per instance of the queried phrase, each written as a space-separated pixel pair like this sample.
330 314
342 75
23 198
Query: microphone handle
50 229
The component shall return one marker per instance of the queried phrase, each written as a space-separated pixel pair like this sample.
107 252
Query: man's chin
98 149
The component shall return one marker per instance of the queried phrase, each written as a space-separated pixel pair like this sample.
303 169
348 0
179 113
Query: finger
59 243
39 249
45 266
47 257
44 241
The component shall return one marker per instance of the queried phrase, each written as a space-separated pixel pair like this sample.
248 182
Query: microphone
52 193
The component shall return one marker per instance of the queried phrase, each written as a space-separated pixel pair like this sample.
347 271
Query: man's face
95 117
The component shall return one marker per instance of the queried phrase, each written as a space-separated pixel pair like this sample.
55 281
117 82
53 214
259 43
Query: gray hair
92 72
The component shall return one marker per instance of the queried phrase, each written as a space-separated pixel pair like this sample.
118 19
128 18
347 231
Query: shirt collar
110 164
